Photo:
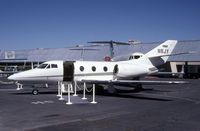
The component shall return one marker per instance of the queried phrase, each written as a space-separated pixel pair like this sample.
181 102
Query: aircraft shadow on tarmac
141 97
126 94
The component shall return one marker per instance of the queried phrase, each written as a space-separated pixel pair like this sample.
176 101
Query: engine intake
125 71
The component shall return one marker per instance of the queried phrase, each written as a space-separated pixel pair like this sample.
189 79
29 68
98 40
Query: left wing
131 82
8 72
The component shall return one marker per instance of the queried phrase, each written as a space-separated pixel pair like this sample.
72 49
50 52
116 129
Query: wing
8 72
134 82
169 73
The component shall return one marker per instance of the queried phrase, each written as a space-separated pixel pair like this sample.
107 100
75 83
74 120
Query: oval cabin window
81 68
93 68
105 68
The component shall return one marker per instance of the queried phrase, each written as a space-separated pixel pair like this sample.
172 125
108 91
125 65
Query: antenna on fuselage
111 43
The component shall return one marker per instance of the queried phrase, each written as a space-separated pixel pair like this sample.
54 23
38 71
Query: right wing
134 82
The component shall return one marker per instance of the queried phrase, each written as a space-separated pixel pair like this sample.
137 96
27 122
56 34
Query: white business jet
119 73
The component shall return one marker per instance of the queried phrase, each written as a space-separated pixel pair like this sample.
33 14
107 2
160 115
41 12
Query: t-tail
159 54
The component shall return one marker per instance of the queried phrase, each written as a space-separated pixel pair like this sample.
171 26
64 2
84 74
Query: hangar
14 60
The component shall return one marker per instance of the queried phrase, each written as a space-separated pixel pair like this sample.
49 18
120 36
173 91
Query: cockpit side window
42 66
131 57
48 67
54 66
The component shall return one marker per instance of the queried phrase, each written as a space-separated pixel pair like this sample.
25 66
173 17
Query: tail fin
161 53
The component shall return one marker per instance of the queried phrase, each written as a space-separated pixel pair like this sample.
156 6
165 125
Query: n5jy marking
163 51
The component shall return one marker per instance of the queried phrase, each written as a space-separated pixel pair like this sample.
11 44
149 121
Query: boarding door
68 71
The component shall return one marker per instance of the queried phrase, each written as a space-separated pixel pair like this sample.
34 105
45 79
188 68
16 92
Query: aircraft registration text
163 51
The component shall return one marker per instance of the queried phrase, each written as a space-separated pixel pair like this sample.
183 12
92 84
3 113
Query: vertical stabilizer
161 53
164 50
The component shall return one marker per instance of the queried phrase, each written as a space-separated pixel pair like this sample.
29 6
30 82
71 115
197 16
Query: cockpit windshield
42 66
47 66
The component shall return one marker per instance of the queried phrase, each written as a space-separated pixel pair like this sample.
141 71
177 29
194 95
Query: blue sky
27 24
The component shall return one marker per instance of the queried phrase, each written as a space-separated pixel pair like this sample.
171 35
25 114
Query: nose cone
22 76
12 77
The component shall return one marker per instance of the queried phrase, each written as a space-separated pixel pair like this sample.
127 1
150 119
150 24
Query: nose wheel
35 91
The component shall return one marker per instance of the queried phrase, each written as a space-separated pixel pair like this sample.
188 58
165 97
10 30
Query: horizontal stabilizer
108 42
174 54
85 49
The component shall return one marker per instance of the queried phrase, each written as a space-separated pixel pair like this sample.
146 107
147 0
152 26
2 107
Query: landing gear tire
35 91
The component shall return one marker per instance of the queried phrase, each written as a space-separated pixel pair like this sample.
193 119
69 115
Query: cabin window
105 68
42 66
81 68
136 57
131 57
93 68
54 66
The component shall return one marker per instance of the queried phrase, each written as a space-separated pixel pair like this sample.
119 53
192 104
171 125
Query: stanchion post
61 90
69 102
75 86
93 97
84 88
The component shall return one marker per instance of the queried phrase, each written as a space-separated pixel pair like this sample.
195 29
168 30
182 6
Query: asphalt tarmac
156 108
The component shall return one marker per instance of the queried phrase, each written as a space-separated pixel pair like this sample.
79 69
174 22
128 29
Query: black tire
35 91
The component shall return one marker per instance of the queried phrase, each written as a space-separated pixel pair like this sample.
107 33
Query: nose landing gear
35 91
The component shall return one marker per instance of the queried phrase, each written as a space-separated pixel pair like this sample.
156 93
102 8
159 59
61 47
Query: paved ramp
76 100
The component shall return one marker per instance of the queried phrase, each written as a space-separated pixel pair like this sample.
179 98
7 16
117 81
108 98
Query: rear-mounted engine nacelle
123 71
